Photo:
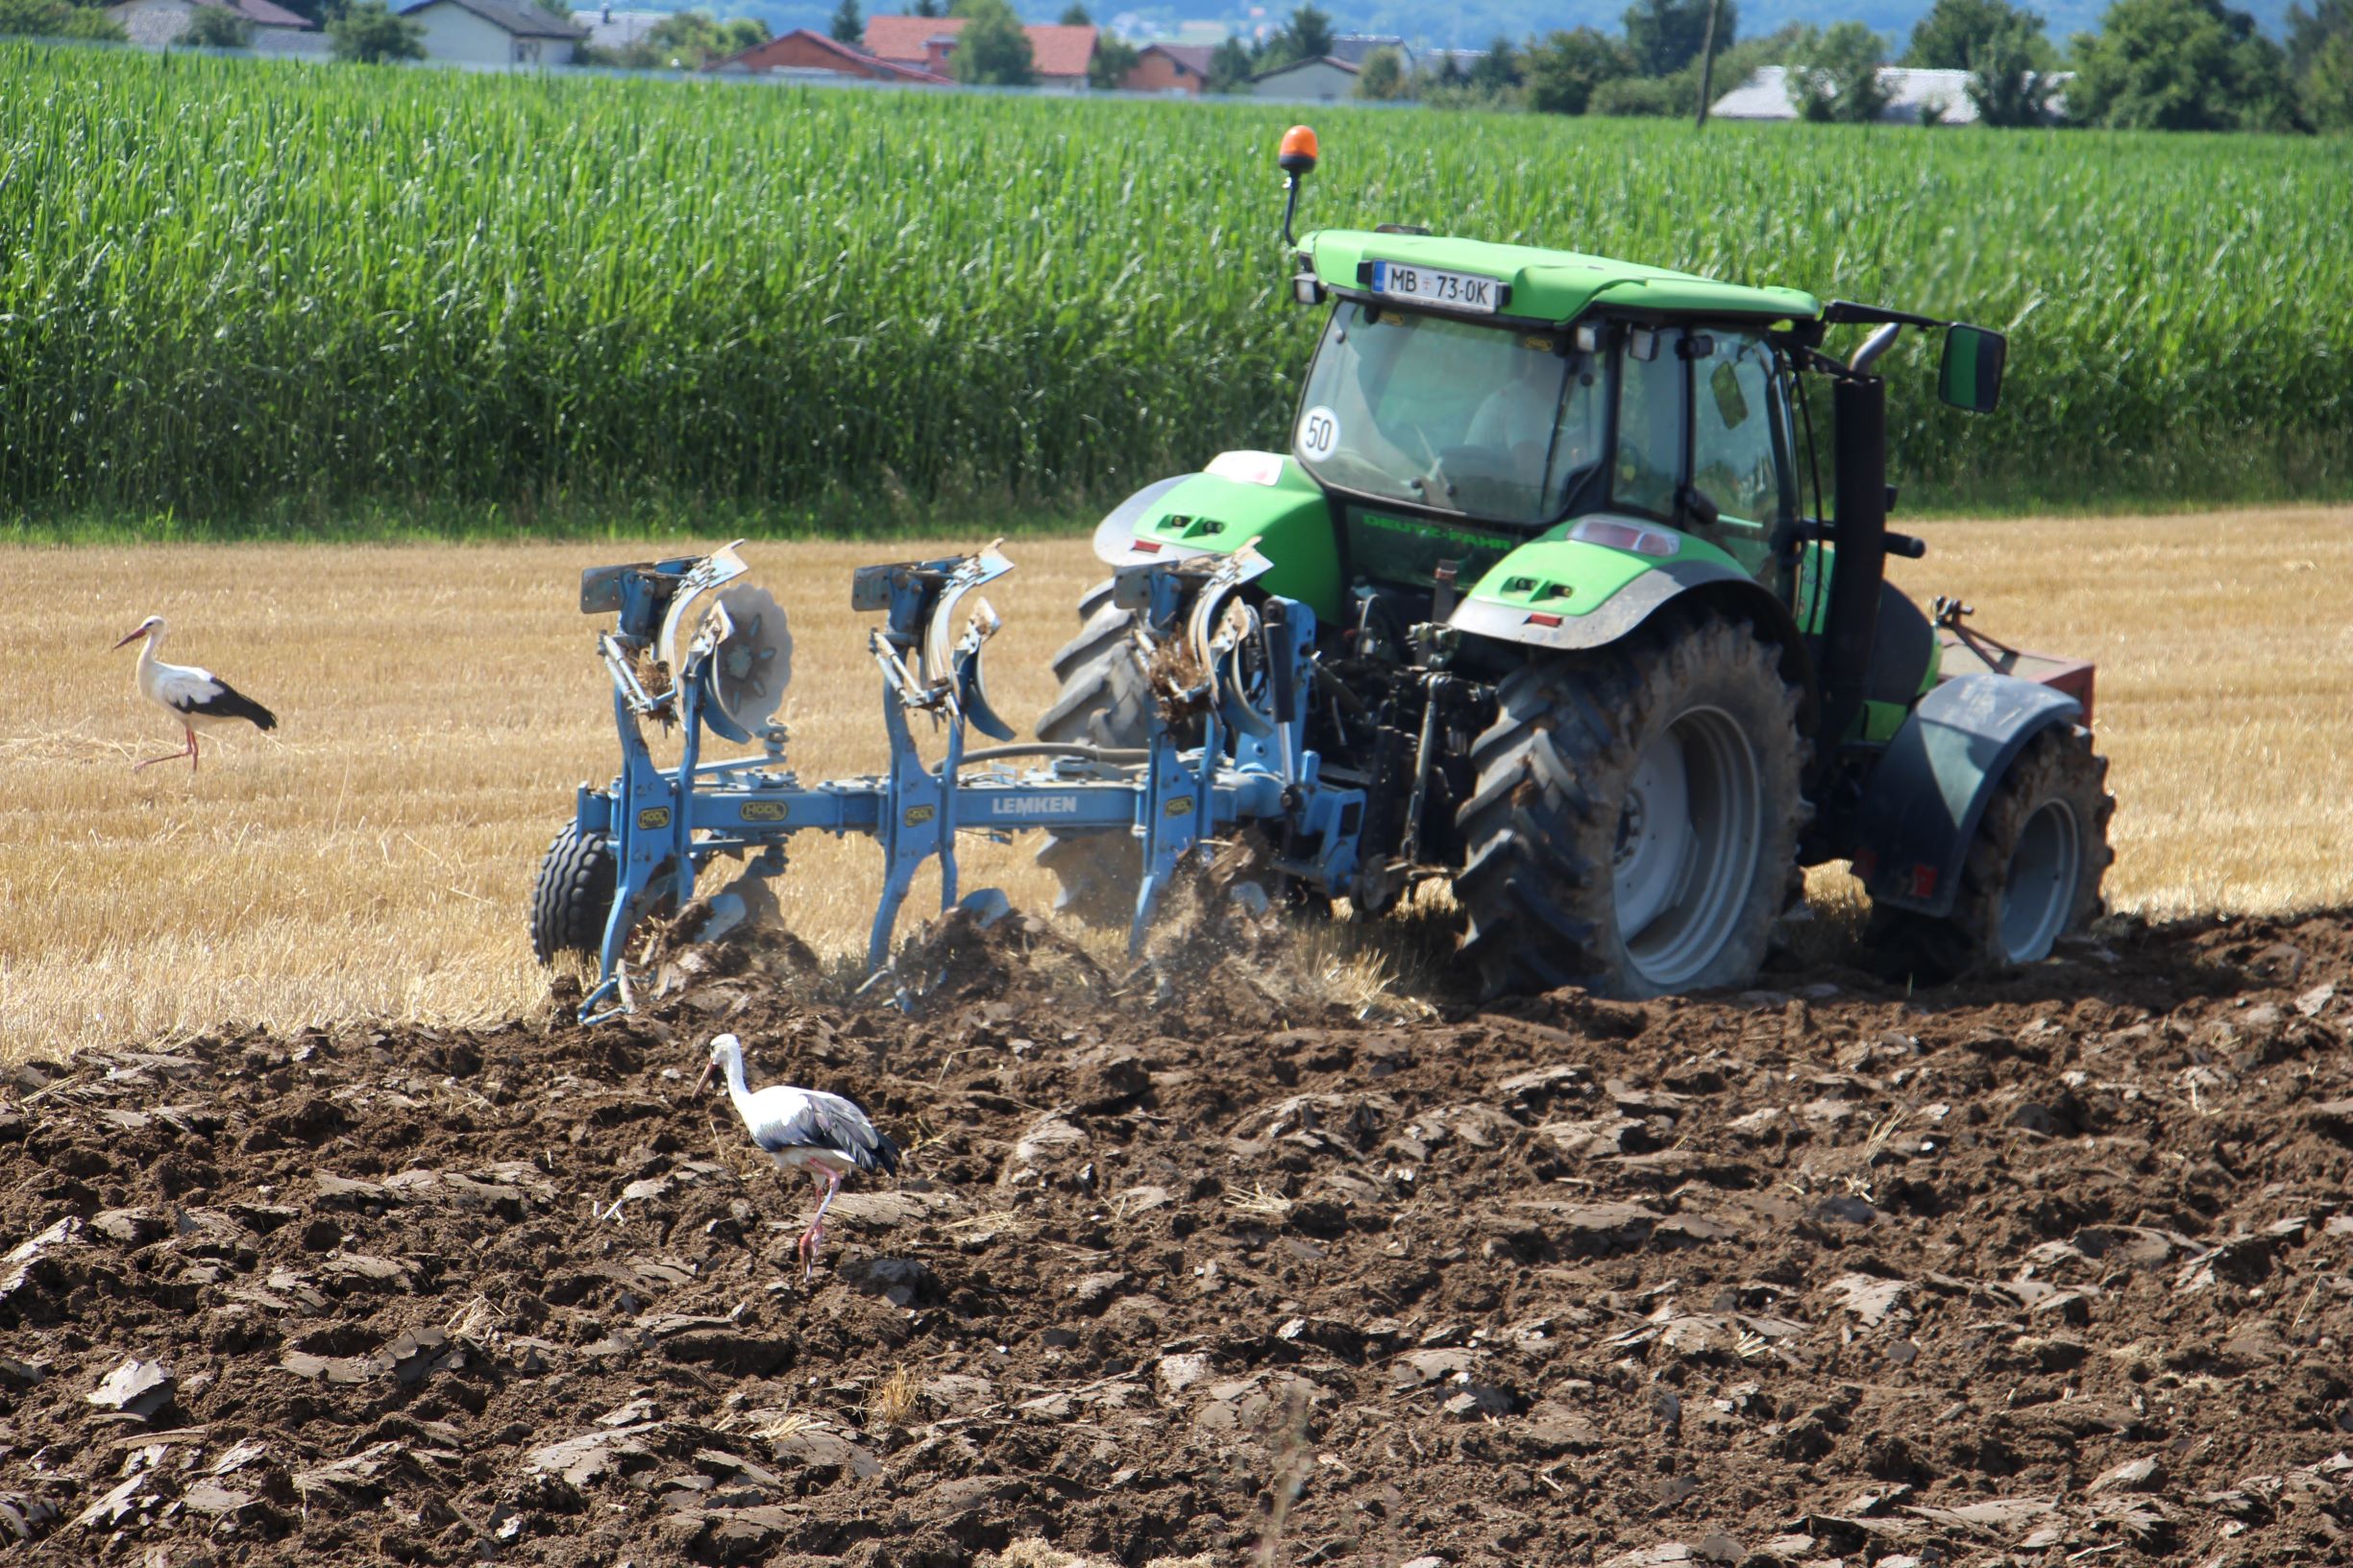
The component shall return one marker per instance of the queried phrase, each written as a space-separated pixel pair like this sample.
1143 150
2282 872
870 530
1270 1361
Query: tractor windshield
1434 411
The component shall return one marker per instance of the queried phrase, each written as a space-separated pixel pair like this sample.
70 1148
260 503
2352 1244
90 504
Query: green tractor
1589 640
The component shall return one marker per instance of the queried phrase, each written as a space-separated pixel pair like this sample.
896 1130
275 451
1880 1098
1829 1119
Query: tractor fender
1925 797
1115 537
1629 590
1240 496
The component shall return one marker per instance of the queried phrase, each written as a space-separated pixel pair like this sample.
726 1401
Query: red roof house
802 52
1058 55
1170 68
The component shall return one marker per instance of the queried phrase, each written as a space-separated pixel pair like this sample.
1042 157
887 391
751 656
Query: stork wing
829 1121
186 689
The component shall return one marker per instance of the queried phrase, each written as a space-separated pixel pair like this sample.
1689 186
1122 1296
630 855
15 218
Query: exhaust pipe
1859 427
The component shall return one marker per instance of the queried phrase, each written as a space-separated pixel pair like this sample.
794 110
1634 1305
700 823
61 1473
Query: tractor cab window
1457 416
1649 466
1736 445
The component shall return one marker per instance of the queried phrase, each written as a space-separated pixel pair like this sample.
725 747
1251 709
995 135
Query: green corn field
230 286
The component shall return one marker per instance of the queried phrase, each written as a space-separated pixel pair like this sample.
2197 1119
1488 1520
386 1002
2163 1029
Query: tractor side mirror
1969 378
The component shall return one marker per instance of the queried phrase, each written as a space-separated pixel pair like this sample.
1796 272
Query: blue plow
1229 675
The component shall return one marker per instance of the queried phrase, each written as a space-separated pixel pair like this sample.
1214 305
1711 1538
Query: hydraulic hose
1111 757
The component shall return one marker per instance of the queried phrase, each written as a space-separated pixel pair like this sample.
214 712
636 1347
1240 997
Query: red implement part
1968 652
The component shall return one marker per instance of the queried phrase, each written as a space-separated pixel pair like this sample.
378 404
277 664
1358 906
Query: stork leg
188 751
804 1248
816 1237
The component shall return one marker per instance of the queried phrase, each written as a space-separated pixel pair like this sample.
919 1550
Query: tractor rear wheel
1104 701
574 896
1635 823
2034 869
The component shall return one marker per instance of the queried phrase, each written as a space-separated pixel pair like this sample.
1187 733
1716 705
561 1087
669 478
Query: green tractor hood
1241 495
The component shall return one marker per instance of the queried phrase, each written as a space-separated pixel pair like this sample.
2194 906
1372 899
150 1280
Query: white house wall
152 24
1309 84
455 34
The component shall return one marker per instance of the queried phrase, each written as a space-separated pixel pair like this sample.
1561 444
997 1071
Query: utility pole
1707 62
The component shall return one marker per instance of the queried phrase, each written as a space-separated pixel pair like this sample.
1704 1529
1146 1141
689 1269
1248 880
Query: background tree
1382 78
1499 70
1075 15
1230 65
368 33
1113 58
2011 81
2325 92
848 24
2179 66
1664 35
215 27
1308 35
926 7
992 50
1674 95
58 20
1838 78
2321 62
1564 69
1649 97
1955 32
691 39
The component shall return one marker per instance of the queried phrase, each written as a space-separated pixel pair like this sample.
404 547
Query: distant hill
1467 24
1473 23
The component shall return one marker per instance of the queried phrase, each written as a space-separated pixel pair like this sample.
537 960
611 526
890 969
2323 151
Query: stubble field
439 703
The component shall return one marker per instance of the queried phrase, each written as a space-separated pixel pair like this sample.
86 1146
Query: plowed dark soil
2056 1269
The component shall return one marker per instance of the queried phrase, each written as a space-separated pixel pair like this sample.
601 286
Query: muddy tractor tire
573 896
1635 823
1104 701
2033 873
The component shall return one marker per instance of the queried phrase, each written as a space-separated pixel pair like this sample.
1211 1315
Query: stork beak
132 638
708 1069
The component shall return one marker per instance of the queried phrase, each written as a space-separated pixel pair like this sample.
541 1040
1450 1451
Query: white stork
197 698
797 1127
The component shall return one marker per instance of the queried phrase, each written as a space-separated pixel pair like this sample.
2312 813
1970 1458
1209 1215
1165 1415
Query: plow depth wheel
573 896
1635 823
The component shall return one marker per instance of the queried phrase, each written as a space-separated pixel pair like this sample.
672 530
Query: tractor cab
1445 433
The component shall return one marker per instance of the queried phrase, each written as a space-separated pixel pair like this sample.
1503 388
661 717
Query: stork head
152 626
724 1048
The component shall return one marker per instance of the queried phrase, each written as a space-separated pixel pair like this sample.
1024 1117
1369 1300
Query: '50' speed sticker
1319 434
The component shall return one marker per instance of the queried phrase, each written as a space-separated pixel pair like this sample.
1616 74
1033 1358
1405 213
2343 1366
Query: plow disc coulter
697 649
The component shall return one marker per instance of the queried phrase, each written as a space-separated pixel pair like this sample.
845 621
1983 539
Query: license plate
1428 285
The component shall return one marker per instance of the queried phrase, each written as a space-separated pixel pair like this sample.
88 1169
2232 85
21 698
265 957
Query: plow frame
1233 666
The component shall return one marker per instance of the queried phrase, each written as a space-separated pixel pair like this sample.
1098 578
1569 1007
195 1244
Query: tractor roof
1556 285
